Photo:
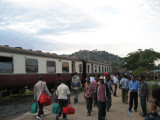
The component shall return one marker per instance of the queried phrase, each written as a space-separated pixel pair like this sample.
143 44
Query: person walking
143 94
76 85
95 83
102 97
39 88
92 78
63 98
124 85
154 114
115 81
88 95
109 83
134 87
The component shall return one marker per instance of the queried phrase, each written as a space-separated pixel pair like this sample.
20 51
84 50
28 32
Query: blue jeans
109 103
76 93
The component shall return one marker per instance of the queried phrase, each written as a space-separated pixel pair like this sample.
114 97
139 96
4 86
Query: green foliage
139 71
140 61
153 86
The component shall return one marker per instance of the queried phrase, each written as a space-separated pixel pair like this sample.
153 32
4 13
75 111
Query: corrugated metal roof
19 50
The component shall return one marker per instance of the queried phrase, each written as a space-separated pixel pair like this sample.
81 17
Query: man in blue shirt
134 87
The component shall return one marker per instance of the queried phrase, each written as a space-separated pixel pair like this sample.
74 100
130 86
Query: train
20 68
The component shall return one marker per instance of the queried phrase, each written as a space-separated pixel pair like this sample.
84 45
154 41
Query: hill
98 56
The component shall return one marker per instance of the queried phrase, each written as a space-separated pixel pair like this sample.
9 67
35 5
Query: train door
73 67
84 71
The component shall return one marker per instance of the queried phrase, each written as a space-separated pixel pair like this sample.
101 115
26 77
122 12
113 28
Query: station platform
118 111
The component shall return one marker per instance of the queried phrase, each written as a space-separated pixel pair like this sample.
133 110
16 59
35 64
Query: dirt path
118 111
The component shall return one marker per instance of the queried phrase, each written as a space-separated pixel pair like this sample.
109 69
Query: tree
140 61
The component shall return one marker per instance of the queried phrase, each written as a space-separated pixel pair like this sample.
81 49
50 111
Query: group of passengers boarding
98 91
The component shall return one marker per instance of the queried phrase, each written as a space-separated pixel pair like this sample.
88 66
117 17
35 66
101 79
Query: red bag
68 110
44 99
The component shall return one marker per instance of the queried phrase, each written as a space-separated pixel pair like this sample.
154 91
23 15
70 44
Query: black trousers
133 97
115 90
101 110
40 112
89 102
95 99
62 103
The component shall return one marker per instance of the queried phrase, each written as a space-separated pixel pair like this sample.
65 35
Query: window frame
47 67
10 62
66 67
36 66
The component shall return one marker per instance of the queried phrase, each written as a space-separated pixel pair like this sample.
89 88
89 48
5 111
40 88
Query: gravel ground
117 112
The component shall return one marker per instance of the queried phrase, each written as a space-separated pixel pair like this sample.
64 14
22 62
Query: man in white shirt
115 81
63 97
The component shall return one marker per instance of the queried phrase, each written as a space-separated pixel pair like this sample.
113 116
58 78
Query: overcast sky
66 26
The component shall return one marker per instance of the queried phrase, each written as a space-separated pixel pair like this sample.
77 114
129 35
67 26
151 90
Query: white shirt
115 80
62 91
92 79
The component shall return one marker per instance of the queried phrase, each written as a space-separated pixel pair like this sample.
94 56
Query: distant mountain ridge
95 55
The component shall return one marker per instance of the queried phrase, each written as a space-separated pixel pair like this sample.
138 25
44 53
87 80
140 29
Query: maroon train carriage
21 68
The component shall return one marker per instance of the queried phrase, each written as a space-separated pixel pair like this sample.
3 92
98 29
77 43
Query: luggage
45 99
55 108
34 108
68 110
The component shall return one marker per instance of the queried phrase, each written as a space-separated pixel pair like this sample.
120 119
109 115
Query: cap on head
101 78
106 73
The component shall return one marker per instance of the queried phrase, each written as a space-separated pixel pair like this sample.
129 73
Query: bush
139 71
153 86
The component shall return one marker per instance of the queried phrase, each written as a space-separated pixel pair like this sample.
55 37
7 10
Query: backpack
76 84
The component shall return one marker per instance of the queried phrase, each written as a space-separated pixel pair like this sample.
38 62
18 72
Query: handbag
68 110
34 108
44 99
55 108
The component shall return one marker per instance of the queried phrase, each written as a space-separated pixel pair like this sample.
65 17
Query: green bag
55 108
34 108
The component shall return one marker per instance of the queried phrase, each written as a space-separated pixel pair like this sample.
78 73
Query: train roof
20 50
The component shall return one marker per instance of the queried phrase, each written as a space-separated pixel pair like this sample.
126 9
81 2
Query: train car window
95 69
88 68
6 64
80 68
51 67
31 65
65 67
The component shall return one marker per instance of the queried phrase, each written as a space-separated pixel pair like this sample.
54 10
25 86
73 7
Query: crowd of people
98 93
